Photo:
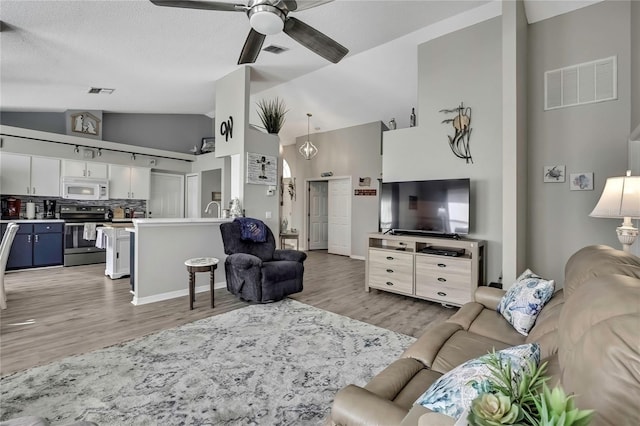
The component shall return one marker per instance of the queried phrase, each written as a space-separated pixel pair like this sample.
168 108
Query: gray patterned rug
275 364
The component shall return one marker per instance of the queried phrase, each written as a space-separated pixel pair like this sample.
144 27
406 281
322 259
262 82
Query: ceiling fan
268 17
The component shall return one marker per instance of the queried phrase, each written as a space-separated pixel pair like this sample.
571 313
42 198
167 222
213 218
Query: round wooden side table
200 264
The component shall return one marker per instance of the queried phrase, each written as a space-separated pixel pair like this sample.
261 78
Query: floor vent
580 84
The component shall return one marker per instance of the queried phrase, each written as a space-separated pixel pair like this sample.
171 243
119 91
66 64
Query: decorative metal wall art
459 142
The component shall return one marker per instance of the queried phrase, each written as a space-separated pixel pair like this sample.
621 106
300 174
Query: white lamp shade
620 198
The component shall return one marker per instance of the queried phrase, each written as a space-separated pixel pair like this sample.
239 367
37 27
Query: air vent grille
272 48
100 90
580 84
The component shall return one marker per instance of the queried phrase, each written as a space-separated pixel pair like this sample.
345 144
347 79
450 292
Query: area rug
274 364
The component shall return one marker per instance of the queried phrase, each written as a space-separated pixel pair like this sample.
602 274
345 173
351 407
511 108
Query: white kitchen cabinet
76 168
118 263
129 182
27 175
45 176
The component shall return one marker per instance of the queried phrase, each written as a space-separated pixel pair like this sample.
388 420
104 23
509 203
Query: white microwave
75 188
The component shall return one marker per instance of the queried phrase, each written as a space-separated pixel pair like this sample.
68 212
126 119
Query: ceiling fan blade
308 4
251 47
314 40
202 4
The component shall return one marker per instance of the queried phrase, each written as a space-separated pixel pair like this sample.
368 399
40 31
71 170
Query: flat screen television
439 207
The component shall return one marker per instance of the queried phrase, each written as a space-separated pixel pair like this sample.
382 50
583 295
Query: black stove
82 214
80 223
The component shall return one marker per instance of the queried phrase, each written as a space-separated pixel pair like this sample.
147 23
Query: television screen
428 206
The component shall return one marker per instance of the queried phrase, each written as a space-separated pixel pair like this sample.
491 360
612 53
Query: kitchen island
160 249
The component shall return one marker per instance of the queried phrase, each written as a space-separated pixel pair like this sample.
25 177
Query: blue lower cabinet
39 244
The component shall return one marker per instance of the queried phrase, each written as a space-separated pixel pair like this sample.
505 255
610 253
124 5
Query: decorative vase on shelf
392 124
412 118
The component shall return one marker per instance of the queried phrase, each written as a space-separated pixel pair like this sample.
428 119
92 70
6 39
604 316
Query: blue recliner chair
256 271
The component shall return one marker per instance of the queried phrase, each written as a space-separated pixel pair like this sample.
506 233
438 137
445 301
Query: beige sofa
589 332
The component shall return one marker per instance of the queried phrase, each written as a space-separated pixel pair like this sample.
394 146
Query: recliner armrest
288 254
426 348
354 405
489 296
244 260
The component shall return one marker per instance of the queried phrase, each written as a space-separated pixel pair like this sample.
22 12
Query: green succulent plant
494 409
272 114
524 399
556 408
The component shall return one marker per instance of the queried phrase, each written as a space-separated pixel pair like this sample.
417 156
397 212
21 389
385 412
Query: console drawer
391 271
443 292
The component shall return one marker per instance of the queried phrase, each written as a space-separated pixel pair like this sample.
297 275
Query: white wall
353 151
451 70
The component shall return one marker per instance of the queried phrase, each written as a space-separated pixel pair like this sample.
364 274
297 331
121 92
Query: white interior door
340 216
166 199
318 216
193 195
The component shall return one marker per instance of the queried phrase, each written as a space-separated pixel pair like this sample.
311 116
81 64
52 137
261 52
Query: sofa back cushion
599 348
545 331
593 261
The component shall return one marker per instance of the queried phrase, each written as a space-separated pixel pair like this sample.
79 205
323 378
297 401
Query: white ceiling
166 60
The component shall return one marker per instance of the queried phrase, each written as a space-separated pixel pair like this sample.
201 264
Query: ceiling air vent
101 90
272 48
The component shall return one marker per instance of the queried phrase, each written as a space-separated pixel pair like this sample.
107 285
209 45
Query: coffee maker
50 209
11 208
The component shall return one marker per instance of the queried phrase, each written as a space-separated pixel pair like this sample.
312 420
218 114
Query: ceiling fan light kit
265 19
269 17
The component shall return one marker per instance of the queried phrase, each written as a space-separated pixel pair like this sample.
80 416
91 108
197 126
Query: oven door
74 241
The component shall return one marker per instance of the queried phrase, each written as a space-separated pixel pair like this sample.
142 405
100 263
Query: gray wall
635 65
171 132
353 151
451 69
587 138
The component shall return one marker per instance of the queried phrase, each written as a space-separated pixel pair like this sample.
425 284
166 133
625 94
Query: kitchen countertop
179 221
32 221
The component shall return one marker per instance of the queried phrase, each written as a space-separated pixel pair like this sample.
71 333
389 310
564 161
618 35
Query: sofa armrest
356 406
244 260
489 296
287 254
426 348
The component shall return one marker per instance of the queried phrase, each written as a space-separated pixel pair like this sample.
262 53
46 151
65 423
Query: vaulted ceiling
167 60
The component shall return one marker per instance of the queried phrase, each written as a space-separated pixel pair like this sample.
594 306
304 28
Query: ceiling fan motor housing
265 18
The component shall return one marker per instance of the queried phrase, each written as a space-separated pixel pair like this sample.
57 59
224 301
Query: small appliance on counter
11 208
50 209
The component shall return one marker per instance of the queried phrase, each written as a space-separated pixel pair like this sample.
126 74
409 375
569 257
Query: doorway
329 215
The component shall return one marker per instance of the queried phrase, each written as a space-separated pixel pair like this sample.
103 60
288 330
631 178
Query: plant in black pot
272 114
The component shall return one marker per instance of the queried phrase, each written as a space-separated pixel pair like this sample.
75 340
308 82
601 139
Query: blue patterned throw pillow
525 299
452 393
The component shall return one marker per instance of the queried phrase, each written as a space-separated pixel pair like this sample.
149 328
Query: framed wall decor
581 181
554 174
262 169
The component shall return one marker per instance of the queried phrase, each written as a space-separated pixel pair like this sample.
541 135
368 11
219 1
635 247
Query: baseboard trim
358 257
174 294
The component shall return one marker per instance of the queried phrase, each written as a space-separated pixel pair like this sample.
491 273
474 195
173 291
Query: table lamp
621 199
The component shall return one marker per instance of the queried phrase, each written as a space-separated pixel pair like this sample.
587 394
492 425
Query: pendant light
308 150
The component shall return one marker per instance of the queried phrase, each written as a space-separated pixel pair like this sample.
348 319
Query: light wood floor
56 312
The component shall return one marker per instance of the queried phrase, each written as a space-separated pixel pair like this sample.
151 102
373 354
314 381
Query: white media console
439 269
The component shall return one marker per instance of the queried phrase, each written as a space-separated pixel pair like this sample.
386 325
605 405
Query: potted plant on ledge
272 114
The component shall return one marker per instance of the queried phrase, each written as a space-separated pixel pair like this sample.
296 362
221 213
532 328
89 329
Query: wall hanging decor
261 169
554 174
292 189
581 181
459 142
85 123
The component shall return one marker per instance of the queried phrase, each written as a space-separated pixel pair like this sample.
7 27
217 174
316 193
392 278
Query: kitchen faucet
206 210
